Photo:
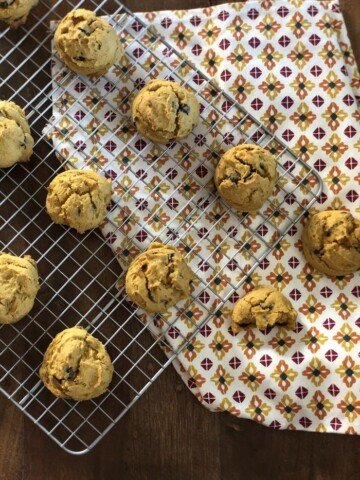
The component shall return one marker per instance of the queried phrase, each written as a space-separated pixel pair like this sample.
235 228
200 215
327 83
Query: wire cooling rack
79 274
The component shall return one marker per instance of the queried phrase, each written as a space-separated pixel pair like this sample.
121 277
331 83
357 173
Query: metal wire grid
80 275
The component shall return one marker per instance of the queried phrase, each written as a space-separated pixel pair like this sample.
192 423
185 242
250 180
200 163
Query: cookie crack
8 263
148 289
171 269
329 231
330 267
68 197
9 306
260 303
71 372
167 281
177 116
343 242
4 115
90 30
261 171
93 204
137 116
251 195
18 294
10 303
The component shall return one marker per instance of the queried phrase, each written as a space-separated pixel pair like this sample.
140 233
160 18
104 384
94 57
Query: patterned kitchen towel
290 64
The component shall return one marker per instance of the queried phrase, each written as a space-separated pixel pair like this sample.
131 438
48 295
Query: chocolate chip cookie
76 365
263 307
19 284
164 111
16 142
158 278
78 198
245 177
87 44
331 242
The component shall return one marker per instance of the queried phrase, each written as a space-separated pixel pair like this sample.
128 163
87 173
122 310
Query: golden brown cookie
16 142
87 44
164 111
15 12
245 177
331 242
264 307
76 365
19 284
158 278
78 198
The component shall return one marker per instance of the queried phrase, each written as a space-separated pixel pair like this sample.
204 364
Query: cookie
16 142
245 177
263 307
19 284
76 365
87 44
79 199
15 12
164 111
331 242
158 278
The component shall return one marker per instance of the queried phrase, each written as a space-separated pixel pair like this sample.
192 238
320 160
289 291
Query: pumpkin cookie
78 198
15 12
16 142
263 306
158 278
19 284
76 365
331 242
245 177
164 111
87 44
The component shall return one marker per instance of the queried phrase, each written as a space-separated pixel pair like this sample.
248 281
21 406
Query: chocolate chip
234 177
184 108
78 19
80 58
70 373
316 251
85 32
6 3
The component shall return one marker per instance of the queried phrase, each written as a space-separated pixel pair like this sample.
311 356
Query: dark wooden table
168 435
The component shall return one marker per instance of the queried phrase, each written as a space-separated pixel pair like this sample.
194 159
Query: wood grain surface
168 435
